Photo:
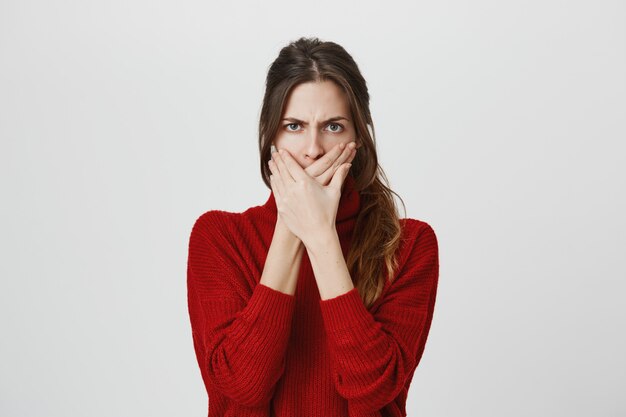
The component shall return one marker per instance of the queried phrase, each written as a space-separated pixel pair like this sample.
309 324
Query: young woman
319 301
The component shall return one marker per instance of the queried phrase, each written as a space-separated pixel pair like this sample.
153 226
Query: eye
291 124
338 125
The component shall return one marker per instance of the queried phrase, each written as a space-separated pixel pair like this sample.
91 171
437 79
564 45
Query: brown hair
377 230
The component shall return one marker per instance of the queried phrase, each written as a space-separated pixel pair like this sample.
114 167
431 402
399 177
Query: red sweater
263 352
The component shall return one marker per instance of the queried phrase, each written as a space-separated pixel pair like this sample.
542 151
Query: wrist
320 241
282 232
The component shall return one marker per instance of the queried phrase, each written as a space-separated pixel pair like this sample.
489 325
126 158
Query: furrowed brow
332 119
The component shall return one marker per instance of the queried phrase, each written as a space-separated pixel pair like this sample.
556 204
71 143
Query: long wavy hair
377 232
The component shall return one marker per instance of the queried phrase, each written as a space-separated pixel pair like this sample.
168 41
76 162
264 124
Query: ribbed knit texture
262 352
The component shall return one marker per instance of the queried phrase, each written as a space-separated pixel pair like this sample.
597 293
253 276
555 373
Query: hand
304 205
324 168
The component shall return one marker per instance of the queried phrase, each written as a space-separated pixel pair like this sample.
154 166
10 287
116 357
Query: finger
293 167
347 155
278 198
278 180
340 176
320 166
282 168
273 186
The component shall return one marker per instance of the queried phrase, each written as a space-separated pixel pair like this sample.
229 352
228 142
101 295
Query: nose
314 147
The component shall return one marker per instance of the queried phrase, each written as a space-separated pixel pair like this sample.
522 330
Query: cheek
283 142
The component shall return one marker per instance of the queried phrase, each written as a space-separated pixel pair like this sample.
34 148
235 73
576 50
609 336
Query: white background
500 123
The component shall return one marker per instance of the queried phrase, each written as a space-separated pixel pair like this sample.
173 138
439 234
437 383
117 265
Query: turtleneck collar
347 212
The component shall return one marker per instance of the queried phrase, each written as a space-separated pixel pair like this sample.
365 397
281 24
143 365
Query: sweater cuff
269 307
346 311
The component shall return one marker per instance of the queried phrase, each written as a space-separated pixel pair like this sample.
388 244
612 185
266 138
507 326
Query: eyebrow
332 119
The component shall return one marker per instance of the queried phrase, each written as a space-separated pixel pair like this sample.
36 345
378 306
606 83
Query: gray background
500 123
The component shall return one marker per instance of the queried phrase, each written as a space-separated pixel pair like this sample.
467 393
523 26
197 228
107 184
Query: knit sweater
262 352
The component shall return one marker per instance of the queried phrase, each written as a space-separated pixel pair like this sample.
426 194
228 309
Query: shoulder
418 262
212 243
213 225
227 222
419 240
414 230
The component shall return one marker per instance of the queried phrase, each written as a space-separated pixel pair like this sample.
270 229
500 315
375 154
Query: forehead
316 99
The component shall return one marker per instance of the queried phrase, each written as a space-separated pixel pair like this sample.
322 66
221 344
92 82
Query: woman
319 301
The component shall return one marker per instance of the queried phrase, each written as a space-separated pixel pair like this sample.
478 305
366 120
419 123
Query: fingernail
280 151
273 149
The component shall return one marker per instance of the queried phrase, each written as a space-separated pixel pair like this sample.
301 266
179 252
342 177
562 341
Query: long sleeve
373 354
240 338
